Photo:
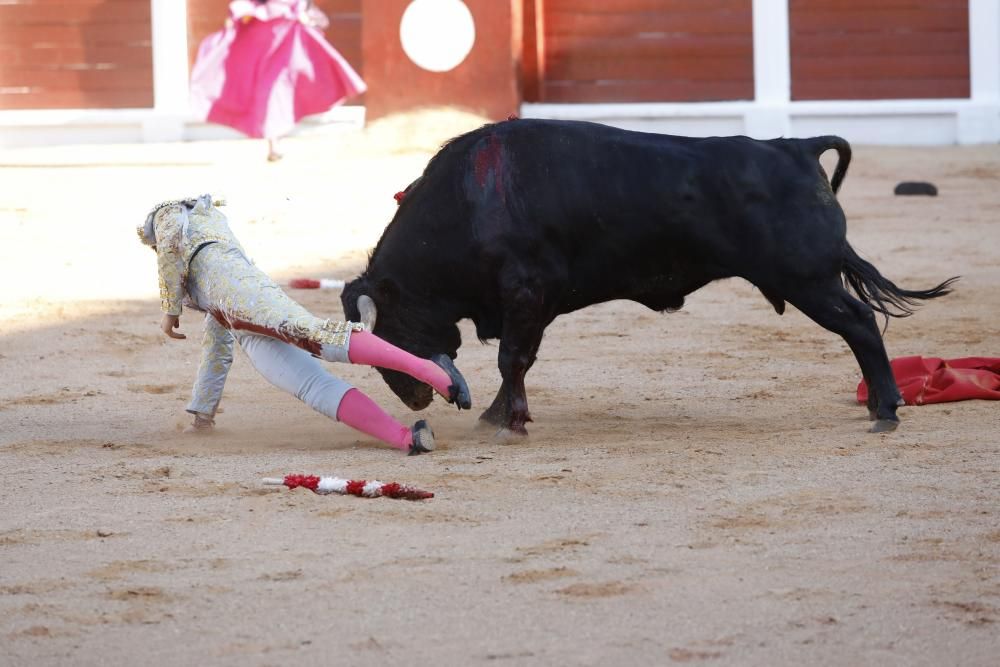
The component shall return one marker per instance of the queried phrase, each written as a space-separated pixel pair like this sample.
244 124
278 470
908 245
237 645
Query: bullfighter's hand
170 322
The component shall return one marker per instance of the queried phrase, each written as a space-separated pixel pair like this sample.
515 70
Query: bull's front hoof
884 425
494 417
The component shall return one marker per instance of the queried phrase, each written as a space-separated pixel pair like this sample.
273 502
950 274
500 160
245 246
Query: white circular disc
437 35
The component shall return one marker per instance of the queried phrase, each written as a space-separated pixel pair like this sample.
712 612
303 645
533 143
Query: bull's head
406 321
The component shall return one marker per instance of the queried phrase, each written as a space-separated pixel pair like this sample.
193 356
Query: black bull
516 223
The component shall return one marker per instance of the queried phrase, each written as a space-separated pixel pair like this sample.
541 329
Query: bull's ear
387 291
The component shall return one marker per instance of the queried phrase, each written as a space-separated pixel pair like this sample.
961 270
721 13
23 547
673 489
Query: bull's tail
819 145
881 293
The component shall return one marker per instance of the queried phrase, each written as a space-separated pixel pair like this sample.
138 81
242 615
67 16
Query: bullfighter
202 265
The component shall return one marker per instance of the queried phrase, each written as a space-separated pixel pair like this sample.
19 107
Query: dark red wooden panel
485 82
890 49
56 54
645 50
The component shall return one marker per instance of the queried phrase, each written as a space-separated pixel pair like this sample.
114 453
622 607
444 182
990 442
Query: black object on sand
916 188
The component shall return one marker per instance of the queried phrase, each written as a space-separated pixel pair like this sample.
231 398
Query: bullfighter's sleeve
216 359
169 261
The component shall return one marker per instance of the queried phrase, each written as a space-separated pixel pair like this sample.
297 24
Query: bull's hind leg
836 310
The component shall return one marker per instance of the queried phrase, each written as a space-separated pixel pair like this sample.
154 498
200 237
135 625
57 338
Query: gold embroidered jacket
180 232
202 265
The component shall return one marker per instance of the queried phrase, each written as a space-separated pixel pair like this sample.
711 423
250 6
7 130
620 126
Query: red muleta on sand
315 283
358 487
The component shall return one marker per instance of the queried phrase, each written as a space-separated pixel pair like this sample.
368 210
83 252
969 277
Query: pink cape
924 380
262 76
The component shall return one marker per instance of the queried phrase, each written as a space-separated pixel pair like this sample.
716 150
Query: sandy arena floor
698 487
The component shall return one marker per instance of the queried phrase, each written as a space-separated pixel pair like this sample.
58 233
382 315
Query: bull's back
577 184
605 213
617 211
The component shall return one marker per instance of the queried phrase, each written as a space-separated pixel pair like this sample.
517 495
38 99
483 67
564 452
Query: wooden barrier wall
486 82
879 49
60 54
75 54
639 50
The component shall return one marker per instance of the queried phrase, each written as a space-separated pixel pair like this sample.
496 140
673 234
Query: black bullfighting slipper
423 439
458 392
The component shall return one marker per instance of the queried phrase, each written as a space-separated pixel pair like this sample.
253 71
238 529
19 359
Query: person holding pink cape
268 68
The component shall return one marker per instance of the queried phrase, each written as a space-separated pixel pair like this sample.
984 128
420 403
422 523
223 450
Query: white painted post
768 116
170 71
980 121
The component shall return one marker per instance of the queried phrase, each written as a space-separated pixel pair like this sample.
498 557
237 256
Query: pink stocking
362 413
367 348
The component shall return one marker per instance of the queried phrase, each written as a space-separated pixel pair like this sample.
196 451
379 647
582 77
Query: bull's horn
368 311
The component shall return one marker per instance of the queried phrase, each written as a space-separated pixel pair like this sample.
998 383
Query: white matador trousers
279 336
